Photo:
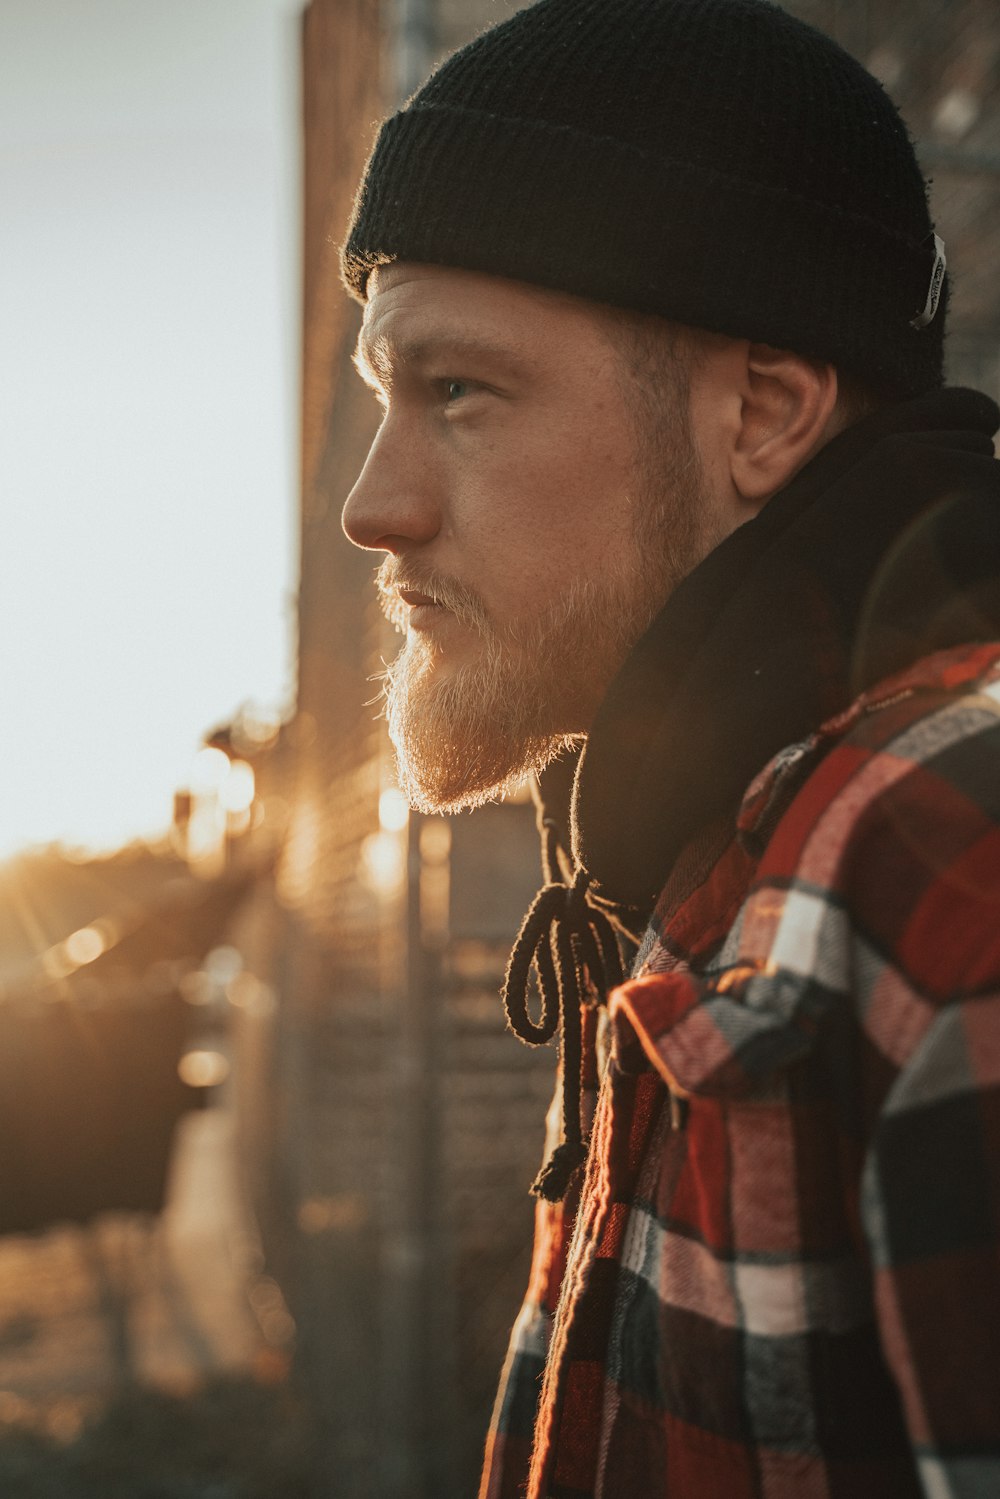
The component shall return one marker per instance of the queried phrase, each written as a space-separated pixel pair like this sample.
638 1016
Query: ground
132 1362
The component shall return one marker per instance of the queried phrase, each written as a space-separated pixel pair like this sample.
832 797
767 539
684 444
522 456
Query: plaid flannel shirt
781 1276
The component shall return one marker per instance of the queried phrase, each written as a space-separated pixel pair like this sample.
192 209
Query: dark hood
884 548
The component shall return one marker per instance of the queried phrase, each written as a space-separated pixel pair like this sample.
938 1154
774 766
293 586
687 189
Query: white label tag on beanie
934 289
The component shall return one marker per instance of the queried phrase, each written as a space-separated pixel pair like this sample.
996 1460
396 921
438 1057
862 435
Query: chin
465 734
469 727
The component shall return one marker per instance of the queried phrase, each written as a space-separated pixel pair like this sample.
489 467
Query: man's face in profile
532 526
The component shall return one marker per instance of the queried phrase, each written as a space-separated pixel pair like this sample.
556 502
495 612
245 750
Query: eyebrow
375 361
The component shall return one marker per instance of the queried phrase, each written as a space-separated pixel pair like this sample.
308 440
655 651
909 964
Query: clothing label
934 289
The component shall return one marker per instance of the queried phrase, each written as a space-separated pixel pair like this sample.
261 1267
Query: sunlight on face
538 502
471 735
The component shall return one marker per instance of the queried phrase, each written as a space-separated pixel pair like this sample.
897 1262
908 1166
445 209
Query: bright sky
148 397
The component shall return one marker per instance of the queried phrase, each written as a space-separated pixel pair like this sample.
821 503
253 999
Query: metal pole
423 1463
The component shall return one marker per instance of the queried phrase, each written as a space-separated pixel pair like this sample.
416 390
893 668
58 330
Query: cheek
568 491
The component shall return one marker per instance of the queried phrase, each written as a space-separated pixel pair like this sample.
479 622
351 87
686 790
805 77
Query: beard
472 734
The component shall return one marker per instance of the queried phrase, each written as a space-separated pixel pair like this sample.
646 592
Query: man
655 311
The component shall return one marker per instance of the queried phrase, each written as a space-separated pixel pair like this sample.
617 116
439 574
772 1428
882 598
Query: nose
392 504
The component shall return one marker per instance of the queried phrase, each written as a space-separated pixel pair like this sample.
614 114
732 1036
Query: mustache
397 573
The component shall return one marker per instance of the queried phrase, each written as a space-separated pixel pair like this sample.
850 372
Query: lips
419 611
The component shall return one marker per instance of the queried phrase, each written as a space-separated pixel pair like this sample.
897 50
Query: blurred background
264 1143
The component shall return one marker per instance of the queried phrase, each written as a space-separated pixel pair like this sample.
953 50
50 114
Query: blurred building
392 1126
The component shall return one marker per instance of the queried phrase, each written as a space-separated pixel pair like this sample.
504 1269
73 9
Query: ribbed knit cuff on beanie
716 162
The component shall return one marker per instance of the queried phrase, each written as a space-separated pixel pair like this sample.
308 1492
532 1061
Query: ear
786 414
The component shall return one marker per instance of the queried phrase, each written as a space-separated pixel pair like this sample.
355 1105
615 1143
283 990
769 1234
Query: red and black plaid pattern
783 1280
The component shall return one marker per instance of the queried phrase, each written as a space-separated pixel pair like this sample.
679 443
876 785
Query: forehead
412 302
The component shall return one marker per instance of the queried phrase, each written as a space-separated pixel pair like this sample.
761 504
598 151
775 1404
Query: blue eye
456 389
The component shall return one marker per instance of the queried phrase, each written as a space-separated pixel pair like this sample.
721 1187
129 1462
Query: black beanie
714 161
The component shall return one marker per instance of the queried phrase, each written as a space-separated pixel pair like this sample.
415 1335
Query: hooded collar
885 547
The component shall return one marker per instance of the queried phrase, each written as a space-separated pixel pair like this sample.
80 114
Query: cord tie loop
572 948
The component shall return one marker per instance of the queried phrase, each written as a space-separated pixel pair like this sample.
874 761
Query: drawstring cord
573 949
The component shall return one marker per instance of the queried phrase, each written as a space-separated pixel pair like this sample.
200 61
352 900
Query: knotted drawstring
574 951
